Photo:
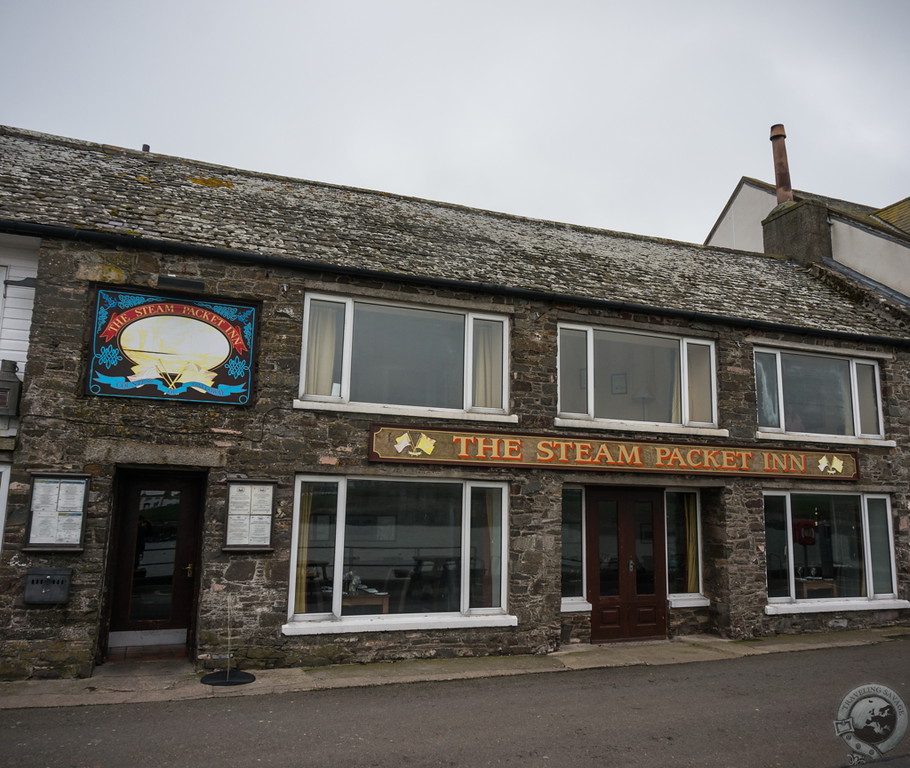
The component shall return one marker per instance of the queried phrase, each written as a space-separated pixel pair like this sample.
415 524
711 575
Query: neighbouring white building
872 242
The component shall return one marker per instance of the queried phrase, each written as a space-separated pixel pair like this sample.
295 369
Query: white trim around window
838 397
659 382
407 578
574 551
4 492
690 510
829 552
370 356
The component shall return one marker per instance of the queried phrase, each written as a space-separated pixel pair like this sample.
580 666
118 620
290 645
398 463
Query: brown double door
626 560
156 569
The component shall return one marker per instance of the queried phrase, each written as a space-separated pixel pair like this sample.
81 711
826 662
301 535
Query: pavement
128 682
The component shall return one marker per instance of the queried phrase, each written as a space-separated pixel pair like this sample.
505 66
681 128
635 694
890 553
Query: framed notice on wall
249 515
57 513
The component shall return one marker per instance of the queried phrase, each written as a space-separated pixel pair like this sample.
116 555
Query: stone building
315 424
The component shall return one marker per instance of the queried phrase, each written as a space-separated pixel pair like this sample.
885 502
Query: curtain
691 516
303 548
486 545
698 357
487 363
676 415
322 339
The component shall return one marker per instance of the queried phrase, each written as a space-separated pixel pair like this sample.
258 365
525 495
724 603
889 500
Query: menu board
57 512
249 515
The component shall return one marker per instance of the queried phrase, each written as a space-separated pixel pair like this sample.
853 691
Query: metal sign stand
228 676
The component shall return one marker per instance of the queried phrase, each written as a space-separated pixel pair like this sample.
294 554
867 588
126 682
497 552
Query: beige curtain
487 542
691 514
320 347
699 359
303 547
488 363
676 415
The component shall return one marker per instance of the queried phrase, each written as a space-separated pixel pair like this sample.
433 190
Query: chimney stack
797 230
781 165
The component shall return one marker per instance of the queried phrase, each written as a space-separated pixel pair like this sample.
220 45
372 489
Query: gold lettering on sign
476 448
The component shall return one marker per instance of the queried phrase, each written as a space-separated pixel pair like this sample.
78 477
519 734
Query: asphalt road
762 711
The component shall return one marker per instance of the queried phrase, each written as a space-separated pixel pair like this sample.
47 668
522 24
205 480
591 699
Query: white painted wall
18 261
880 258
740 225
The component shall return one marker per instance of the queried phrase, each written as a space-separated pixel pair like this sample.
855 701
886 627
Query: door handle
189 570
631 566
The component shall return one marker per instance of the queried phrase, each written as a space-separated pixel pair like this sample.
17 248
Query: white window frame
343 402
4 494
686 599
782 432
868 602
578 603
687 425
334 622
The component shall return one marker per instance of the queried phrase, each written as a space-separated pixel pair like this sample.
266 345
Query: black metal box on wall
47 586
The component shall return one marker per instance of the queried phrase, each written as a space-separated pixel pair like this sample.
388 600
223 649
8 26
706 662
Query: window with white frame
636 377
822 546
683 544
384 549
365 352
807 393
4 491
573 544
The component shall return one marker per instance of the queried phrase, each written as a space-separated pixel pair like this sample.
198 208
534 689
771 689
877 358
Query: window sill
637 426
688 601
323 626
575 605
404 410
831 606
580 605
828 439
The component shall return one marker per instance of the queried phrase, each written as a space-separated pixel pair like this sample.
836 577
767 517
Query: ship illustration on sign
148 346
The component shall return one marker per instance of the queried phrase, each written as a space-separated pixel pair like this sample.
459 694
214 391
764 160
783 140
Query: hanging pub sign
153 346
439 446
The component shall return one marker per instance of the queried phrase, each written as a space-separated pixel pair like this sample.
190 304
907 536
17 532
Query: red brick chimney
781 165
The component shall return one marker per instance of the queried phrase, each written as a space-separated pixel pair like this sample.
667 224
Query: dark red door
626 563
156 570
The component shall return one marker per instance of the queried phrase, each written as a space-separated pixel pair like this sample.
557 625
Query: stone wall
65 430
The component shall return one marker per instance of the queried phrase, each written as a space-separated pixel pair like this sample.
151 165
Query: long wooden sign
464 447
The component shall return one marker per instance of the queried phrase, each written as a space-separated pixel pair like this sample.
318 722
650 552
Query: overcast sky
633 116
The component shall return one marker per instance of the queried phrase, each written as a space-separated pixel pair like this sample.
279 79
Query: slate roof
897 215
52 181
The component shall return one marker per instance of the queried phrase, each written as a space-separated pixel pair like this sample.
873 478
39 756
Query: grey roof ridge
810 195
154 157
855 213
867 216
